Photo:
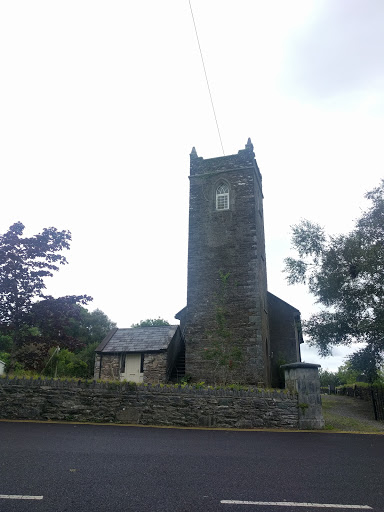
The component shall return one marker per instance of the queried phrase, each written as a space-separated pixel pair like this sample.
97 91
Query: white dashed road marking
294 504
19 497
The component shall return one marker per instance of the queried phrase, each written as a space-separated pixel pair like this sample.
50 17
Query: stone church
234 329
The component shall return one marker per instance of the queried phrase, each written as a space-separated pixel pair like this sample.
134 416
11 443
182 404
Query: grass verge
349 414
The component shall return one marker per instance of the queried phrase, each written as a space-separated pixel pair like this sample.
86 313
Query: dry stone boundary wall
49 400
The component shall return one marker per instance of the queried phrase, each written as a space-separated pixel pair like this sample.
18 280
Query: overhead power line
206 77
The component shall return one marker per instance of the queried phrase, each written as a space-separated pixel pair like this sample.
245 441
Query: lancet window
222 197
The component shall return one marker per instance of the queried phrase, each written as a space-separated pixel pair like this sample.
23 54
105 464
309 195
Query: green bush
64 363
5 343
87 355
6 358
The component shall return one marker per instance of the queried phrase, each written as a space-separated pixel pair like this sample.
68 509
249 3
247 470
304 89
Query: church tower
225 322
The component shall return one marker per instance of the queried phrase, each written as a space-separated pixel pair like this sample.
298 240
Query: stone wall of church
155 368
109 367
226 321
284 335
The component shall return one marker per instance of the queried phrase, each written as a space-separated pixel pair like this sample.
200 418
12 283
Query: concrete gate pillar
303 379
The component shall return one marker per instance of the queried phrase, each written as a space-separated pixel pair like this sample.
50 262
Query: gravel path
349 414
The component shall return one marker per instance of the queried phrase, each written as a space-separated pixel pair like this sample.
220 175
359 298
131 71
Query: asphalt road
112 468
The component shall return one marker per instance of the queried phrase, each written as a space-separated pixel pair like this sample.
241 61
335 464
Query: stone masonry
110 368
303 379
285 335
46 400
229 243
155 367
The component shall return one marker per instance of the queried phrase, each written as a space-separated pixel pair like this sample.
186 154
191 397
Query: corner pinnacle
249 145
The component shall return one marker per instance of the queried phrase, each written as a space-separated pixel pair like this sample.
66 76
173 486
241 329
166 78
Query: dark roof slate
281 300
139 339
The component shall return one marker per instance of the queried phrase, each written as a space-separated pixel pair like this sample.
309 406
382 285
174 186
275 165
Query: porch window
142 363
122 363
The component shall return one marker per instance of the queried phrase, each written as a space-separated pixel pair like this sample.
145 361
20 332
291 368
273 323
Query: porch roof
139 339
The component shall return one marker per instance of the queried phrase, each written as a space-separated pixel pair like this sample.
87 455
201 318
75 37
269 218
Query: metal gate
377 395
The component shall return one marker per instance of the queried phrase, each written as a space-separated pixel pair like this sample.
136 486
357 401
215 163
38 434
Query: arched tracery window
222 197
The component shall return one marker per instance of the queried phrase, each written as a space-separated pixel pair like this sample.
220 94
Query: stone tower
225 322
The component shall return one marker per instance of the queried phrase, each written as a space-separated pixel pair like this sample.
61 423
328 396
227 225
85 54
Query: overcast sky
101 103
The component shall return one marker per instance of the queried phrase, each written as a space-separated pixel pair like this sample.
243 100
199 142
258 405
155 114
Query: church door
133 368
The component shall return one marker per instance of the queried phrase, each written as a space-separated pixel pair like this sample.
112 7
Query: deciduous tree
346 275
24 263
58 322
151 322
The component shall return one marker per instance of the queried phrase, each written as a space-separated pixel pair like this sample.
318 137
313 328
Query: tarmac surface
66 467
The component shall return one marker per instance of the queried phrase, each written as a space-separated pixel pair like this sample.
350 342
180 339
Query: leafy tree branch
345 273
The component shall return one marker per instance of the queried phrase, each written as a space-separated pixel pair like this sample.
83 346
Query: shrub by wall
145 405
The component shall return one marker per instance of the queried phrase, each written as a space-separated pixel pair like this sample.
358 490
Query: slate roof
281 300
139 339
